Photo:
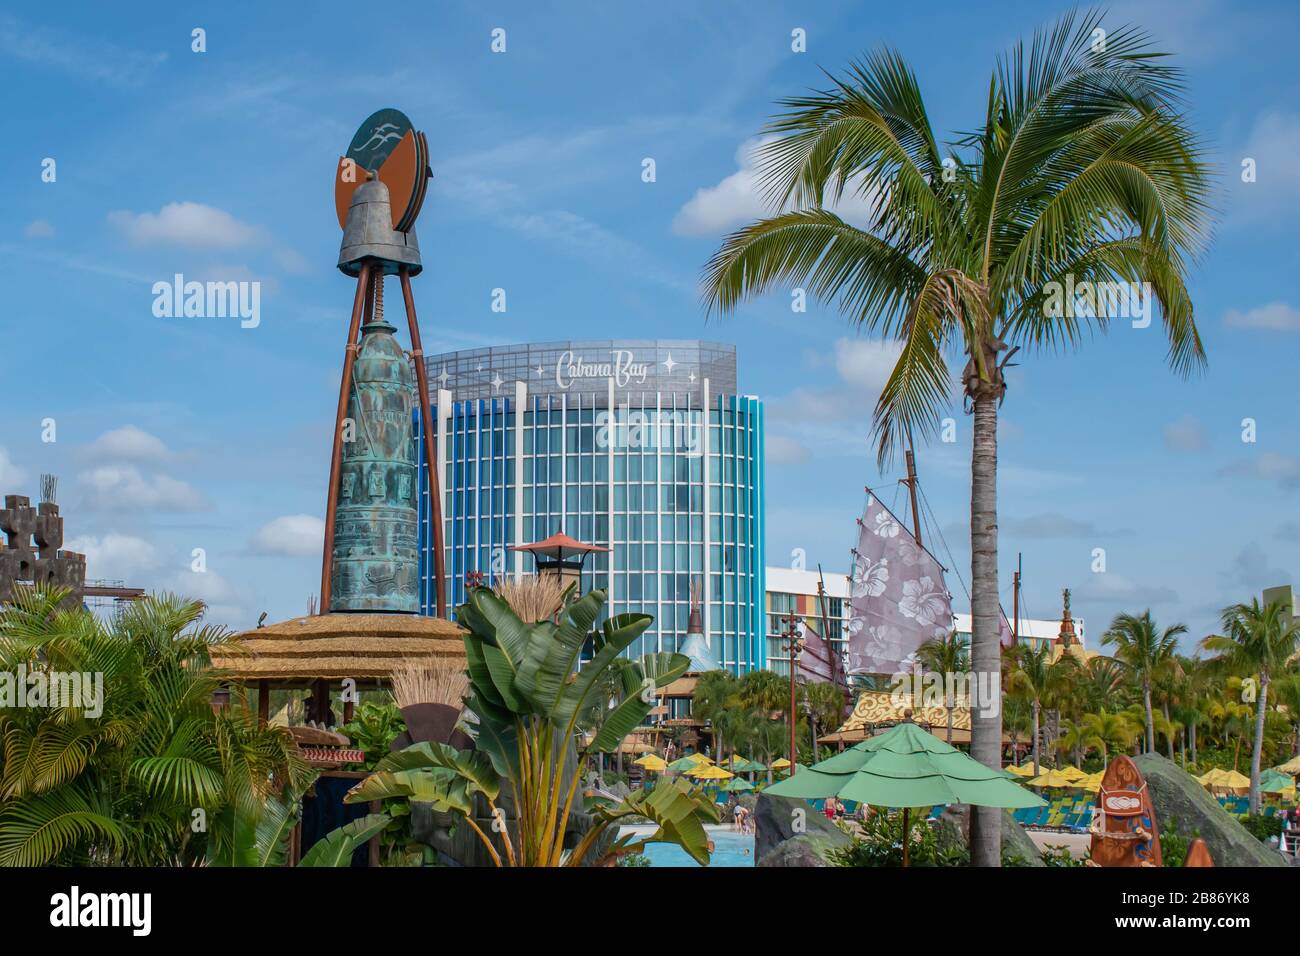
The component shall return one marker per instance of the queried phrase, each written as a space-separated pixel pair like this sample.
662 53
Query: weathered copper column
345 388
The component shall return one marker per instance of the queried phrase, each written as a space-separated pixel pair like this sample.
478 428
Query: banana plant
536 710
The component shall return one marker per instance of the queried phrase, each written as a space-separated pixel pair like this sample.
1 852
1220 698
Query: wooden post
336 456
263 702
911 487
320 699
426 417
906 839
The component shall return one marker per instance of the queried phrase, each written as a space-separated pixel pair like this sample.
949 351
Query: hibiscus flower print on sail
899 599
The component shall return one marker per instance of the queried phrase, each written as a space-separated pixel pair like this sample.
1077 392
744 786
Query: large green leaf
503 625
620 722
475 767
337 846
553 653
595 673
678 811
36 831
502 672
443 789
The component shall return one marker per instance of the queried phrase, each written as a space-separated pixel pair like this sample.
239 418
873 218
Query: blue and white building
643 446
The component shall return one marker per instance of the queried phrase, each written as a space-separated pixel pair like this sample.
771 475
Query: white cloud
1273 317
39 229
126 488
1273 143
1186 434
290 535
866 364
1268 466
118 556
187 224
1112 587
11 476
783 450
128 444
228 604
738 199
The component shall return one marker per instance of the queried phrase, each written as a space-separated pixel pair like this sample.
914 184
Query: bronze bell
369 235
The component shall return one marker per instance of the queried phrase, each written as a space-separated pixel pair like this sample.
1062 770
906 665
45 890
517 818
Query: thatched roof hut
364 647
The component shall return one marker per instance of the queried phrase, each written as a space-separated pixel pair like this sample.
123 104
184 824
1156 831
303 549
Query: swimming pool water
729 849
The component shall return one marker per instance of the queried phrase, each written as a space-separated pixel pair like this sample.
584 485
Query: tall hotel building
642 446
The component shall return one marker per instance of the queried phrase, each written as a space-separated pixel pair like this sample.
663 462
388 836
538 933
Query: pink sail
898 596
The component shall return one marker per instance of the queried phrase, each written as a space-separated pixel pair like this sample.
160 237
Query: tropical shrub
881 844
127 780
538 718
373 728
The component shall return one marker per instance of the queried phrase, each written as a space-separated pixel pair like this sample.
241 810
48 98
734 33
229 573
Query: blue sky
177 434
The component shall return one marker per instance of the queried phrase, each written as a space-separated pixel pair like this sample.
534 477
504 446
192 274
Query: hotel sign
622 367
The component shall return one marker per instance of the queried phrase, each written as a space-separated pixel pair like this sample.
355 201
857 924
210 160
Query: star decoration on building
443 377
669 363
538 370
496 382
692 378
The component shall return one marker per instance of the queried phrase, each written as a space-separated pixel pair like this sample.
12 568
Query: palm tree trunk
1169 738
986 651
950 710
1193 741
1259 742
1035 710
1151 724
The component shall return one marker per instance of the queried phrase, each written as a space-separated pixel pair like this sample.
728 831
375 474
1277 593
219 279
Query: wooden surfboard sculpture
1198 854
1124 831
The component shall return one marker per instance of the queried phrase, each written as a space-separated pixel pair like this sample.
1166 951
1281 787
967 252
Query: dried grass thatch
430 682
533 597
335 646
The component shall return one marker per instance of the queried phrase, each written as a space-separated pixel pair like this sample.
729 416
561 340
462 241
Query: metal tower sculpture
370 557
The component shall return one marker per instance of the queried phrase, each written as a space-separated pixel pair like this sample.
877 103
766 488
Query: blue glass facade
628 445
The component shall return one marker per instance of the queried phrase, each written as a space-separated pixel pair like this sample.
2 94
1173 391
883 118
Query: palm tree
1077 739
1083 170
825 704
715 691
124 786
1142 649
947 656
1109 732
1258 638
1036 677
1099 683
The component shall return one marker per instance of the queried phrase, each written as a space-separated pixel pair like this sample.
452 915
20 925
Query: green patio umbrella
744 765
906 767
737 785
1274 781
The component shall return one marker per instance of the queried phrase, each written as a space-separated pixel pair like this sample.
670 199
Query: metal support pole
336 457
426 417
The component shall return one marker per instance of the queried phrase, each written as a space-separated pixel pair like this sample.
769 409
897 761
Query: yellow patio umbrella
1224 779
1054 778
1292 766
652 762
709 773
781 764
1026 771
1073 772
1092 782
